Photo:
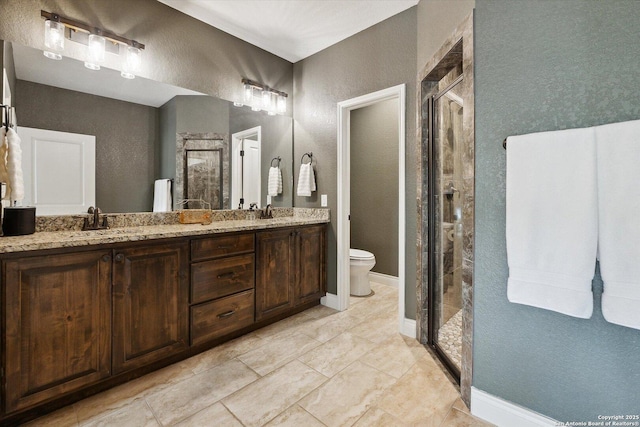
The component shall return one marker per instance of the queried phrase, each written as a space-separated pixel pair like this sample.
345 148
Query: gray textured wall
436 21
377 58
374 183
540 66
180 50
125 142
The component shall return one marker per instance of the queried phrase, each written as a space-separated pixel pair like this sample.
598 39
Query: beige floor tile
461 406
346 397
136 414
331 326
457 418
224 352
188 397
214 415
376 417
320 311
336 354
263 400
395 356
278 352
124 394
284 327
378 327
62 417
295 416
423 395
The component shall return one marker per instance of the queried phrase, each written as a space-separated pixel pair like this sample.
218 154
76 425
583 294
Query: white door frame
344 192
236 173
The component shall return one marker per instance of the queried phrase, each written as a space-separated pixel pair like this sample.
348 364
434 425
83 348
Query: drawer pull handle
226 314
225 275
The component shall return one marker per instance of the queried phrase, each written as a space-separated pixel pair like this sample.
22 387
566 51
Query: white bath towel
306 180
4 175
552 222
162 201
618 148
15 192
274 184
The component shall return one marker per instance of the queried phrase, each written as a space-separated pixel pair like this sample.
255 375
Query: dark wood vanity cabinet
78 321
290 269
57 325
222 286
150 304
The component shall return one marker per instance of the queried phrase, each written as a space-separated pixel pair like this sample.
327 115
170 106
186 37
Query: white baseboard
330 300
408 328
384 279
503 413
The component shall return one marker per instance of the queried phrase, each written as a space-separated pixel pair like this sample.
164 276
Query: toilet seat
360 255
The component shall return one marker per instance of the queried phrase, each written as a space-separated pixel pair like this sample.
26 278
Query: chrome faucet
253 206
96 220
267 213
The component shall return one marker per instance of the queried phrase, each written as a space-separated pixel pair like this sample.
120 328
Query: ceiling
291 29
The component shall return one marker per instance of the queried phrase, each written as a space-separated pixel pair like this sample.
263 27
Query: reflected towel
4 175
306 180
274 185
552 220
162 195
618 151
15 189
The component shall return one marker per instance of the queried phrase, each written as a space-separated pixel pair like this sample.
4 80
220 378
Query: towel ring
276 158
310 154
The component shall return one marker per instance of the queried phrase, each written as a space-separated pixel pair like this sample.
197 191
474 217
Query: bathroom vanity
83 311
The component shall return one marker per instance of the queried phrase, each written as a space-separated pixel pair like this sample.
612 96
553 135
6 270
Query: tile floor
450 338
318 368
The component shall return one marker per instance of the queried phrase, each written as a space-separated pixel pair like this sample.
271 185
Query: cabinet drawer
217 318
221 246
221 277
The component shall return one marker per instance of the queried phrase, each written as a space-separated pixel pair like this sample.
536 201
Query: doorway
345 108
246 178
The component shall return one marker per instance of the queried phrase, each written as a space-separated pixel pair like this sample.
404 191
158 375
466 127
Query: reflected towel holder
278 159
310 154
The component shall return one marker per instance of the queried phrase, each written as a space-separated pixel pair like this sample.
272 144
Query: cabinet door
275 272
58 323
150 304
310 278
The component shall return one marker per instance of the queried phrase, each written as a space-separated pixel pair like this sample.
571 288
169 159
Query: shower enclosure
445 213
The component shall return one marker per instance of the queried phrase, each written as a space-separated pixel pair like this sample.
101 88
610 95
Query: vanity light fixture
260 97
53 37
95 51
98 41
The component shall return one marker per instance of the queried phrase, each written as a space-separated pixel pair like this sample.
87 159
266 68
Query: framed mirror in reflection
140 128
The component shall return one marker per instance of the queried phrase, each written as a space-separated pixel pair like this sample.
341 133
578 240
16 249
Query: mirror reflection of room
134 125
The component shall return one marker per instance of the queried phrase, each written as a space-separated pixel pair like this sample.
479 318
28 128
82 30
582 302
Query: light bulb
266 99
95 52
256 99
282 104
53 39
248 94
131 63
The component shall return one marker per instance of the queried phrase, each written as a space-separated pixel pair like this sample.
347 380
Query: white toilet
361 262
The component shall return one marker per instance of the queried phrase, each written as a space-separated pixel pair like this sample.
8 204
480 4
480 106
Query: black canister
19 220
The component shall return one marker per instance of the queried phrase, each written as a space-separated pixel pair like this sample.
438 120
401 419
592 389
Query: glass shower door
445 224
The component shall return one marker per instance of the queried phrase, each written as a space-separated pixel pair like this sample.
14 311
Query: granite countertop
77 238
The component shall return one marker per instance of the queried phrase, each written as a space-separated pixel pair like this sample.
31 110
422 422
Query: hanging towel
306 180
618 150
162 195
4 175
552 221
15 191
274 186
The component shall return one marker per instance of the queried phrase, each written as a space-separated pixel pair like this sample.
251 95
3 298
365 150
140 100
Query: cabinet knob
119 257
106 258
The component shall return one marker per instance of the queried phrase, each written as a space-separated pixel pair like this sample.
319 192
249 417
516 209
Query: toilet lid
359 254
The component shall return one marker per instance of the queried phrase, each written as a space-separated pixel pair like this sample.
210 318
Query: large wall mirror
141 128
